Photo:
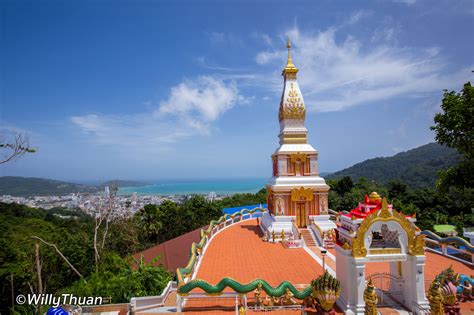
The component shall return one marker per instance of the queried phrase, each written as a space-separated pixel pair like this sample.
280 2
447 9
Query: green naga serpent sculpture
184 288
245 288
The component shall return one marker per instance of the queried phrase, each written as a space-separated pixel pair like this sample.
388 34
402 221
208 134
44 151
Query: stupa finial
290 67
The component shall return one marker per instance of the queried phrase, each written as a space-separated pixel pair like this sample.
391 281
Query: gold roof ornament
290 67
374 196
384 212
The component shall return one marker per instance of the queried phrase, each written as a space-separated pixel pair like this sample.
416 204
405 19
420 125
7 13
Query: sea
189 187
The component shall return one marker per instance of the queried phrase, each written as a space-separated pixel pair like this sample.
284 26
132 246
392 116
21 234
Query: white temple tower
296 192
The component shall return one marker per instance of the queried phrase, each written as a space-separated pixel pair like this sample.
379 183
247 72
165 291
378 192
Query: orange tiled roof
174 253
239 252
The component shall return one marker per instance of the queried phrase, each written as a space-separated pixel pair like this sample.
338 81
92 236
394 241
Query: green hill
28 186
418 167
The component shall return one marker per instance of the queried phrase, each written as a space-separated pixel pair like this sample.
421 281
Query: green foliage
194 213
343 185
454 127
117 280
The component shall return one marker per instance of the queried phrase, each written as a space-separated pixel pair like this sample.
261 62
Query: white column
413 270
351 272
359 269
178 304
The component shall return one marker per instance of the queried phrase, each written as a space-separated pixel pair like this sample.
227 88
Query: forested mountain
418 167
27 186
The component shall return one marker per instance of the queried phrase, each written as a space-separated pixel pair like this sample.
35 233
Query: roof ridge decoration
415 244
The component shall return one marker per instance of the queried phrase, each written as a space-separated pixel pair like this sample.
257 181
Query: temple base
270 223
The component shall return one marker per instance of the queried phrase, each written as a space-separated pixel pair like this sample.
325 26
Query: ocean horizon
204 186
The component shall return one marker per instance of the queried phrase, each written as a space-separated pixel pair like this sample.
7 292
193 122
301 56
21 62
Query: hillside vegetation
28 186
418 168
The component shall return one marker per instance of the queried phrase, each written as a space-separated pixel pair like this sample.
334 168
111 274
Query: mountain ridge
417 167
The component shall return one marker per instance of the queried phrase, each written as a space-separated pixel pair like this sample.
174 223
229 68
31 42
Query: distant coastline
188 187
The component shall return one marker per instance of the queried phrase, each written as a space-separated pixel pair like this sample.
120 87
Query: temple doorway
301 214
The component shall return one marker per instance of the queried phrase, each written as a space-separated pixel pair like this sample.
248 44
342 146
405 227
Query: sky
191 89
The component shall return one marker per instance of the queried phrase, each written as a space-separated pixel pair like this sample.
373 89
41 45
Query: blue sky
191 89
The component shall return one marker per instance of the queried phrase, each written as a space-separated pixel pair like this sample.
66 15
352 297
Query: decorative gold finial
290 67
288 45
384 212
374 196
371 299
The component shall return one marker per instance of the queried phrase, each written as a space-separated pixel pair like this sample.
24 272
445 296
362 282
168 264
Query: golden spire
290 67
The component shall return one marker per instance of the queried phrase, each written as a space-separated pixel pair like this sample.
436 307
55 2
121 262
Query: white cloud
205 98
190 109
340 73
356 16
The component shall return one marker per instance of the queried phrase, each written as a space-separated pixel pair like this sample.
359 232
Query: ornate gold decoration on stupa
298 156
302 194
294 107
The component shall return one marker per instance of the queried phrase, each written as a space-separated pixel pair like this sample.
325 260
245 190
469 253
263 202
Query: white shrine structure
297 195
375 232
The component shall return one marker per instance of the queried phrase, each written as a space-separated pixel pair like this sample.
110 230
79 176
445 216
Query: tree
150 222
454 128
343 185
101 227
13 145
396 189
